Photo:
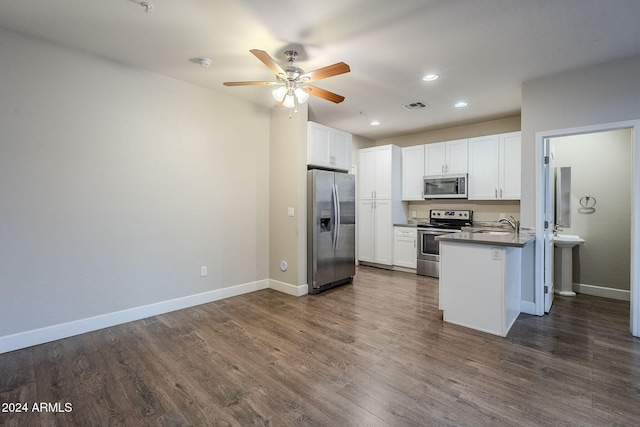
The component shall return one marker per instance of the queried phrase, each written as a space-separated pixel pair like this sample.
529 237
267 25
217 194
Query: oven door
429 251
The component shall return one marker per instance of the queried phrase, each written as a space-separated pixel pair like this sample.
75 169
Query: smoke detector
415 105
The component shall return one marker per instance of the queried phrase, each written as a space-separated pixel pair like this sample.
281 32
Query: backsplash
482 210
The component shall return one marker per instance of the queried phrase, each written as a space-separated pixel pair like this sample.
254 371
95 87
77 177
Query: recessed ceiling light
430 77
460 104
375 123
205 62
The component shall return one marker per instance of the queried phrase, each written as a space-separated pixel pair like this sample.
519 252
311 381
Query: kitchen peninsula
482 273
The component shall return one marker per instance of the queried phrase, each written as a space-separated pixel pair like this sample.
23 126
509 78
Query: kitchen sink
493 232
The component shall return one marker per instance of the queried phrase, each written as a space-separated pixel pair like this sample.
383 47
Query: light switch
290 211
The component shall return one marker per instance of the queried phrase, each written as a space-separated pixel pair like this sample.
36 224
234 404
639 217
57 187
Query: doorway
544 218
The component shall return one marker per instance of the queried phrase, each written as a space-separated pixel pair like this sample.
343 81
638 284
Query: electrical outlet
290 212
203 271
496 253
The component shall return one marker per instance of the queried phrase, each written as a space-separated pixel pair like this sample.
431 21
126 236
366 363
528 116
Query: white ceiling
482 49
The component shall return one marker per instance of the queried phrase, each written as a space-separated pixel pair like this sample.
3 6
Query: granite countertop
476 237
414 225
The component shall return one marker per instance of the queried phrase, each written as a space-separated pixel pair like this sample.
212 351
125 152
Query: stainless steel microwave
445 187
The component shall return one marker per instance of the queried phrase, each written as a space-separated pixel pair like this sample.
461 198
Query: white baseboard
601 291
296 291
69 329
528 307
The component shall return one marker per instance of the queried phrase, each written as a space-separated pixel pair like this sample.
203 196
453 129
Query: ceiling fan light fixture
279 93
302 95
289 101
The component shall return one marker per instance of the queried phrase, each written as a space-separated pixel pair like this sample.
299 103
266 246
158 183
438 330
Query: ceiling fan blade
325 94
268 61
324 72
249 83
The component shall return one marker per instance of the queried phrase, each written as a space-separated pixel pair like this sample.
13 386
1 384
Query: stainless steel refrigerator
331 229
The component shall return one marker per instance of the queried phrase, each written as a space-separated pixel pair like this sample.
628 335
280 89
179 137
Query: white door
412 172
341 150
319 151
367 173
510 146
366 231
382 178
383 234
549 210
457 156
434 159
484 167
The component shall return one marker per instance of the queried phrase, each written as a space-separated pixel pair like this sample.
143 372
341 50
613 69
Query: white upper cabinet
494 167
327 147
512 168
377 169
446 158
412 172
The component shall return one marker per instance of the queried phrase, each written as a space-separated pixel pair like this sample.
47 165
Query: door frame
634 125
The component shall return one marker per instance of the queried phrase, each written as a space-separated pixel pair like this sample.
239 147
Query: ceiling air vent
415 105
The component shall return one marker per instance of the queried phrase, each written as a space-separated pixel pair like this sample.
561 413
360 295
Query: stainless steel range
441 221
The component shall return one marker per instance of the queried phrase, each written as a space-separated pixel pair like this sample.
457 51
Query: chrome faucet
514 223
556 228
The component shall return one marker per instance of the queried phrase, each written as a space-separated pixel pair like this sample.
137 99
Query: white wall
117 184
601 168
605 93
288 181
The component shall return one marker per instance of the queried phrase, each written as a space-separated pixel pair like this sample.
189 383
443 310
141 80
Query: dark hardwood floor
373 353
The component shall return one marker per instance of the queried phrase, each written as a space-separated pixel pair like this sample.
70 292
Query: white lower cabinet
375 232
405 252
486 294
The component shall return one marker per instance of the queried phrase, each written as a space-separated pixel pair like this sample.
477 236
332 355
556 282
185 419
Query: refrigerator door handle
334 232
337 210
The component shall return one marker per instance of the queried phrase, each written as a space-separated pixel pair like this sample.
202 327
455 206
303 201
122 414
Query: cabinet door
457 153
412 172
484 173
435 159
405 253
382 176
366 231
318 145
366 173
511 165
341 150
383 240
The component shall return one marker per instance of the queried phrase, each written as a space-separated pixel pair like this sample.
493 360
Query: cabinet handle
371 194
501 193
442 169
496 191
414 243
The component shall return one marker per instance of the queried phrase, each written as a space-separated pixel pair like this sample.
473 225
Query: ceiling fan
294 82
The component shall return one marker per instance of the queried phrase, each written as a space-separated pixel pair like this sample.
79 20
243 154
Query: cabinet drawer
409 232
